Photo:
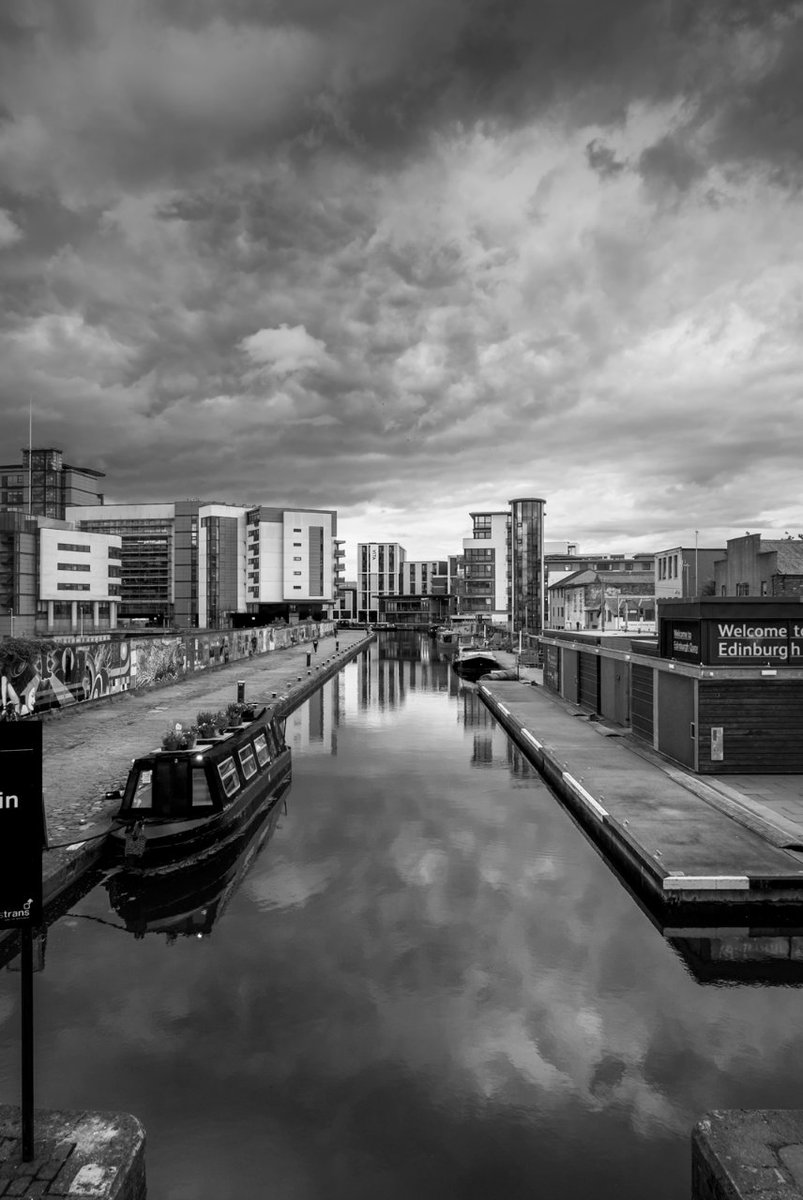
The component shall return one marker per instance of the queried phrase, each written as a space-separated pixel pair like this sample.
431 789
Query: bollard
309 659
337 647
241 691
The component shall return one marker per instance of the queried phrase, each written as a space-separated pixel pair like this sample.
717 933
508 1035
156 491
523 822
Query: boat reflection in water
187 902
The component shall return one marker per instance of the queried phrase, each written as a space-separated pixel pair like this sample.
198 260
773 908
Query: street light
11 614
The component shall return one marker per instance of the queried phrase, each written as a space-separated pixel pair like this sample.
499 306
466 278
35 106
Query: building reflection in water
313 727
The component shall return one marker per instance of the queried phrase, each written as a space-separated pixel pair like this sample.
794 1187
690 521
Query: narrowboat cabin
188 805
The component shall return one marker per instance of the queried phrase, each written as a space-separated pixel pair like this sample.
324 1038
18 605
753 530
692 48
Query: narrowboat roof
218 747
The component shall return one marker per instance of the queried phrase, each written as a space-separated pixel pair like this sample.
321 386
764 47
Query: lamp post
11 615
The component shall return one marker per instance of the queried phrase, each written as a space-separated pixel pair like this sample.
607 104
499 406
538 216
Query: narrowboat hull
168 845
189 901
474 666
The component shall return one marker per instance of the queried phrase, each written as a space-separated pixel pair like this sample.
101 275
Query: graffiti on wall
38 676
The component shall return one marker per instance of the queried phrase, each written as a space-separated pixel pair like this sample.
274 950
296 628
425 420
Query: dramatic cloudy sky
410 260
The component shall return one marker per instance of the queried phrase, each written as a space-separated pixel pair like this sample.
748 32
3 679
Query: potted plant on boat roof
237 713
210 724
179 737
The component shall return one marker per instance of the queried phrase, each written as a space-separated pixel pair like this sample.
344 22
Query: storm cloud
411 259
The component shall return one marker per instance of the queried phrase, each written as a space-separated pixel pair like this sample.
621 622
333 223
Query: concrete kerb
604 830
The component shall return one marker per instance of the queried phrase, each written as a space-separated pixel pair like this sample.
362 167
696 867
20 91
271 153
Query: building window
764 588
296 572
75 546
74 587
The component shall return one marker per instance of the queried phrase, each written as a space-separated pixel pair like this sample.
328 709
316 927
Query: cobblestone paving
87 750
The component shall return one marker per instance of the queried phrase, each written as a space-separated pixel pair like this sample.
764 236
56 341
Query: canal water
424 982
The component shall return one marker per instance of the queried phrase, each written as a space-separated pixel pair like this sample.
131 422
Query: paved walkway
692 839
87 750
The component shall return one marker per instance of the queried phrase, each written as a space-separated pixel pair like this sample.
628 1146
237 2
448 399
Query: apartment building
193 563
55 578
379 574
292 563
503 566
425 578
485 584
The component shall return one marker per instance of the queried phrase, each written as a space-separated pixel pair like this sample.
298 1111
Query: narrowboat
473 663
187 903
187 805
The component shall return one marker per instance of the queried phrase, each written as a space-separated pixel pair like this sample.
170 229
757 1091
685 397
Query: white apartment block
485 556
79 578
379 573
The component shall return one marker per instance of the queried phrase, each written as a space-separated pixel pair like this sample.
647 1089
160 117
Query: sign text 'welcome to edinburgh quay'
733 631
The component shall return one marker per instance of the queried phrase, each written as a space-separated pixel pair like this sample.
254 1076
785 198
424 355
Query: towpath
87 749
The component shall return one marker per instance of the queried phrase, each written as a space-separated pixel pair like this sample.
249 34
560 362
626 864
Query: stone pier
748 1154
97 1155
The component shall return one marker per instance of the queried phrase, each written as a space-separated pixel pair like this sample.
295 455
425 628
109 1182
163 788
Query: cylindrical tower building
526 549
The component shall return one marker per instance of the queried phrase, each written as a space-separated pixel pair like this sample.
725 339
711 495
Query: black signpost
22 839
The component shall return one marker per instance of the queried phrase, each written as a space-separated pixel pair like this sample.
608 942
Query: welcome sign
744 642
733 632
22 827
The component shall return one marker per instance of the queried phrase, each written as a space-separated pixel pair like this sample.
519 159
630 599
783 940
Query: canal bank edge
747 1154
64 868
668 878
97 1154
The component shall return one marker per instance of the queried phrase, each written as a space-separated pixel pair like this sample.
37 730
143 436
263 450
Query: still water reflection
426 983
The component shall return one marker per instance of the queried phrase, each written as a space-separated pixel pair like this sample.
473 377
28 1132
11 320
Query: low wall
67 672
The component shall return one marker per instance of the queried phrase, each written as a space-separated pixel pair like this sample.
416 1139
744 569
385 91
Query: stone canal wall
63 673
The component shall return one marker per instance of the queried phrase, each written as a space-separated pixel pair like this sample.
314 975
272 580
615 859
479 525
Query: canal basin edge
685 847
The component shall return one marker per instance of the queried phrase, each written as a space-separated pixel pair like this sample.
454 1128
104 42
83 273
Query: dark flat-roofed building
43 485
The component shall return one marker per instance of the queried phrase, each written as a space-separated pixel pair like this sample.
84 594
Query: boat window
248 761
228 776
143 790
201 795
261 747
